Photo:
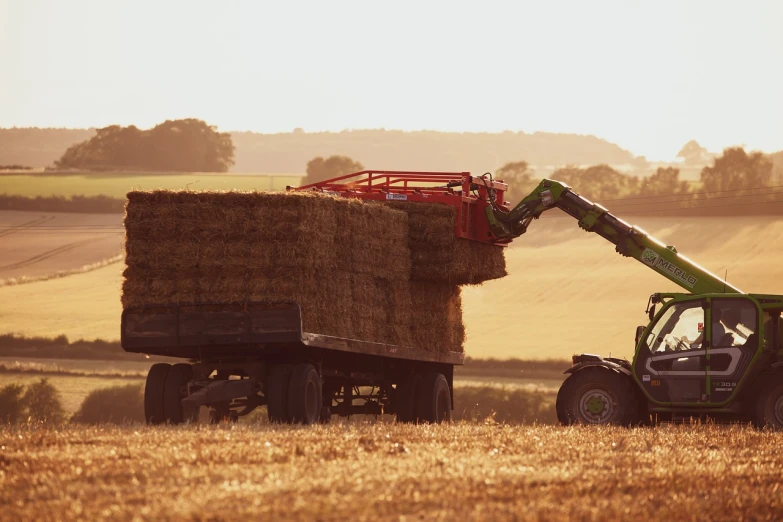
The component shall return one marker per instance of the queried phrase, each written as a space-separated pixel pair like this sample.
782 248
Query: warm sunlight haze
648 76
391 261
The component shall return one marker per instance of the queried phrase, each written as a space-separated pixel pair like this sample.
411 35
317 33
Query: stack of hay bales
381 273
328 254
440 263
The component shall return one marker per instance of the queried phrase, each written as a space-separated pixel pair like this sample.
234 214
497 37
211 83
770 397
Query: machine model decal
724 386
652 258
397 197
645 378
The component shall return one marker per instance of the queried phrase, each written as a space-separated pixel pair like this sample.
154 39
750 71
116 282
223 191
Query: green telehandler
713 351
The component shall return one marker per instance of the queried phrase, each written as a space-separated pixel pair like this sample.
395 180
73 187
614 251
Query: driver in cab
730 318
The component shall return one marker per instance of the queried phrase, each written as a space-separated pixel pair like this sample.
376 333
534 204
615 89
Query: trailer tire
277 393
178 377
153 393
769 405
405 399
305 395
433 399
595 395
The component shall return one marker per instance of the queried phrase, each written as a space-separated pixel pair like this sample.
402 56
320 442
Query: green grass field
118 184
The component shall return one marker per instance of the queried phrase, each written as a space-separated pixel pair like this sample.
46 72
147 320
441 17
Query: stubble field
390 472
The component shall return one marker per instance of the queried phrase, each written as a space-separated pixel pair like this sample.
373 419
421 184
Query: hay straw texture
340 259
369 271
436 317
438 255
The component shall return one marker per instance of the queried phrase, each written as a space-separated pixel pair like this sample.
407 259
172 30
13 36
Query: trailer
247 355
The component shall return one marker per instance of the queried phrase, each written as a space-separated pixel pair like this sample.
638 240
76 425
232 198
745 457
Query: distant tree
43 402
737 170
694 154
115 404
665 182
319 169
599 182
777 167
188 145
11 405
519 178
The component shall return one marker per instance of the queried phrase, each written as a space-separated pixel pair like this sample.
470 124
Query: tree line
288 152
188 145
735 174
735 171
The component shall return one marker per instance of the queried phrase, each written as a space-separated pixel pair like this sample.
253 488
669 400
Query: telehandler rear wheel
769 406
153 393
596 396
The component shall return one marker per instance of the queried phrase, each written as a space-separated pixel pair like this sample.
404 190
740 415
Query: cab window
681 327
734 323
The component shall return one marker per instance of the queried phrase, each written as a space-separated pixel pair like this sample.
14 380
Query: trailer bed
257 328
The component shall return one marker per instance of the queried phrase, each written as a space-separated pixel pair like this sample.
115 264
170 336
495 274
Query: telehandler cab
714 351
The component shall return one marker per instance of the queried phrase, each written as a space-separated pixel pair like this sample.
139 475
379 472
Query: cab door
671 363
734 344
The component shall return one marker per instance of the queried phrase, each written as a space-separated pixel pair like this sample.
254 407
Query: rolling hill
567 292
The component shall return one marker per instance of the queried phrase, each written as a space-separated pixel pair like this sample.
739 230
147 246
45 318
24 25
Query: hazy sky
646 75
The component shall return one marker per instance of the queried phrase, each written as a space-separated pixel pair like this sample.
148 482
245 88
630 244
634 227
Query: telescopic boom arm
629 241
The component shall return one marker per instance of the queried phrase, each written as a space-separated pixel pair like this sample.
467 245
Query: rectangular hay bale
438 255
436 317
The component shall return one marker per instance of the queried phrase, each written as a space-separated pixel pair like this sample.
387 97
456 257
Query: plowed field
37 244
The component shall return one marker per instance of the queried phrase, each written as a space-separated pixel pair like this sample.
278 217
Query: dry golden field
36 244
390 472
567 292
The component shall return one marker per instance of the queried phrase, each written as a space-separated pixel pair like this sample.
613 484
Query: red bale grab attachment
469 195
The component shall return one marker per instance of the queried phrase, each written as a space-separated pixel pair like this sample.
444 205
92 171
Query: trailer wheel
153 393
305 395
405 399
596 396
769 405
433 399
174 391
277 393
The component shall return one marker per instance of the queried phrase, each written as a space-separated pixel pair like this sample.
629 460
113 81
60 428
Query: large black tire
175 390
277 393
305 396
405 399
597 395
769 405
433 399
153 393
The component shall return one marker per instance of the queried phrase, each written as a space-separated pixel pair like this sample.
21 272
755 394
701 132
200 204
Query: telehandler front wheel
596 396
769 406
